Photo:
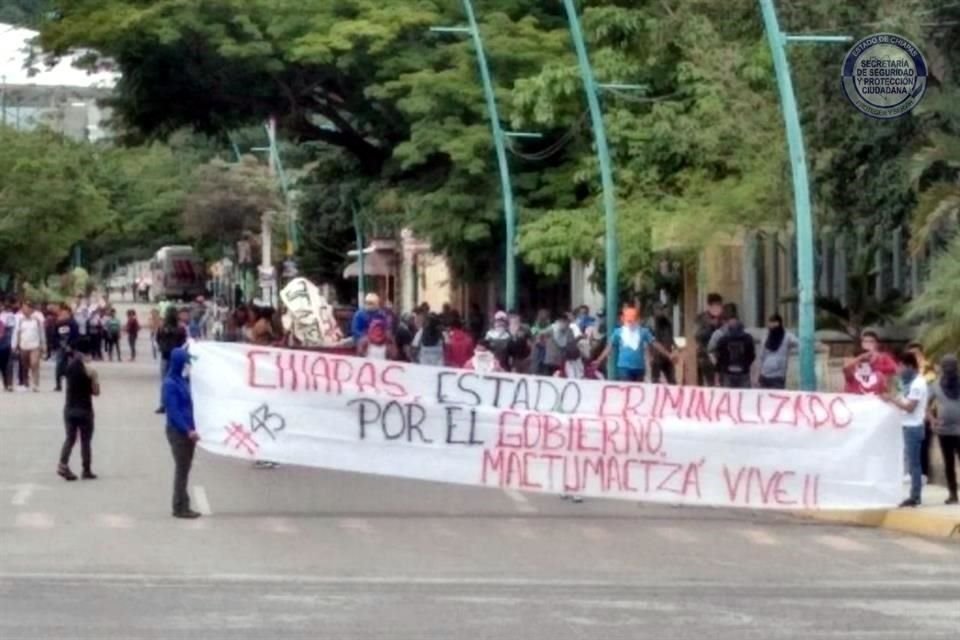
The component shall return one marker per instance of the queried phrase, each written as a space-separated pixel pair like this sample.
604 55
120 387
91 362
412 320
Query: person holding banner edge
181 430
912 402
632 341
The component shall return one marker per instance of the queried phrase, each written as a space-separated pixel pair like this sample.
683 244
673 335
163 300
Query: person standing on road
30 341
181 430
82 384
133 330
112 332
155 323
708 323
735 353
912 403
632 341
8 323
775 356
945 394
170 336
66 335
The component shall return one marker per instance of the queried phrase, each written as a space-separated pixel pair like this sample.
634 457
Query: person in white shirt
912 402
30 340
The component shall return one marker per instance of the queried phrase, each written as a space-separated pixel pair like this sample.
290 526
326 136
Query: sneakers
88 475
952 500
64 472
909 503
189 514
265 464
159 410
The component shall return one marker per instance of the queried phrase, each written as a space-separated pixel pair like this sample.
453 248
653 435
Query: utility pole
499 142
361 276
803 218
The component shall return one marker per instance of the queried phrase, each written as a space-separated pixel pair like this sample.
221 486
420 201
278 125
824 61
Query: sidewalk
933 519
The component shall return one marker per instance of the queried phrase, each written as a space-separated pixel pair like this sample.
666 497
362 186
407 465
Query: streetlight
801 187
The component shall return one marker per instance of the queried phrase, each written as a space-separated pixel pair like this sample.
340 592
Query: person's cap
372 298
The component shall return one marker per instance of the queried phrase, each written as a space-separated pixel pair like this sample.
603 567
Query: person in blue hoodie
181 431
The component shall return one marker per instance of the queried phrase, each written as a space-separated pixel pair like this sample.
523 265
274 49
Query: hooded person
735 353
181 429
945 393
775 356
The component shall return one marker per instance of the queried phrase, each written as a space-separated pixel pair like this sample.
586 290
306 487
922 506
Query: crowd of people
570 344
29 334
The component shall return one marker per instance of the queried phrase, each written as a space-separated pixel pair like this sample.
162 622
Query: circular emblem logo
884 76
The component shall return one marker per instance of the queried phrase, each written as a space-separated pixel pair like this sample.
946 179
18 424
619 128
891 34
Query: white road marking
522 504
922 546
201 500
356 524
840 543
277 525
115 521
34 520
676 534
761 537
22 495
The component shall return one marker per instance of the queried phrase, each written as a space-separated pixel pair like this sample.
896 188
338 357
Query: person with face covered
483 360
181 430
775 356
870 371
498 337
632 341
377 343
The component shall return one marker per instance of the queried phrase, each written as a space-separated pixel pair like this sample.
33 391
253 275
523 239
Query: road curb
920 522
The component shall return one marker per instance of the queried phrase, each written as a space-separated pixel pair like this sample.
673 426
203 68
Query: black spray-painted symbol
262 418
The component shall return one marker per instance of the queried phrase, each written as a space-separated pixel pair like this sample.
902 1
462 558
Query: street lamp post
803 218
499 142
606 175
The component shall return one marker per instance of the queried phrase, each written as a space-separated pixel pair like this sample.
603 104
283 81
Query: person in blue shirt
631 342
363 317
181 430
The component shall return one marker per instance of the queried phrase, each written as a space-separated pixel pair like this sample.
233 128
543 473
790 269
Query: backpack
738 352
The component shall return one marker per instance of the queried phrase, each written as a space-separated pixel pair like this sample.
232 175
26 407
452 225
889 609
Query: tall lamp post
606 174
803 219
499 142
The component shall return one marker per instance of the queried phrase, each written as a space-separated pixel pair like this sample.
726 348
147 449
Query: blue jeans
913 450
631 375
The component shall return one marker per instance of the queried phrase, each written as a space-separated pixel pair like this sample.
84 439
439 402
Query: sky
14 51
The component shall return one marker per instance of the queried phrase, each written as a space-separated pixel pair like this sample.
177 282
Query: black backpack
739 353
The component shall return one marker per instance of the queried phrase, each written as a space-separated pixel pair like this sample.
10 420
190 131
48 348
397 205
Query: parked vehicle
177 273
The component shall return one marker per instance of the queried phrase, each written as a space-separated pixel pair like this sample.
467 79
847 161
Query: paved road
295 553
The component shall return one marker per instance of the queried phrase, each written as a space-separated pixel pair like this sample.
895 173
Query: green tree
49 201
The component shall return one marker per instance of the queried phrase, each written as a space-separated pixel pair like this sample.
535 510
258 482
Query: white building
60 96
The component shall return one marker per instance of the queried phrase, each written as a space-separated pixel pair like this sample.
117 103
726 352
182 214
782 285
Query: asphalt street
299 553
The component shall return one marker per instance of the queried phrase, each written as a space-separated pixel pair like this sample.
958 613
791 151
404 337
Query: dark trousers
132 343
772 383
112 344
96 345
950 447
925 450
706 372
736 380
664 366
182 449
631 375
5 368
61 368
78 423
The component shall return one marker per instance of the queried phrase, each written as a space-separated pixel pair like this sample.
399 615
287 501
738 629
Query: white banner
656 443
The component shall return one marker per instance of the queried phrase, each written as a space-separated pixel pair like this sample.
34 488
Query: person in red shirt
458 348
870 371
